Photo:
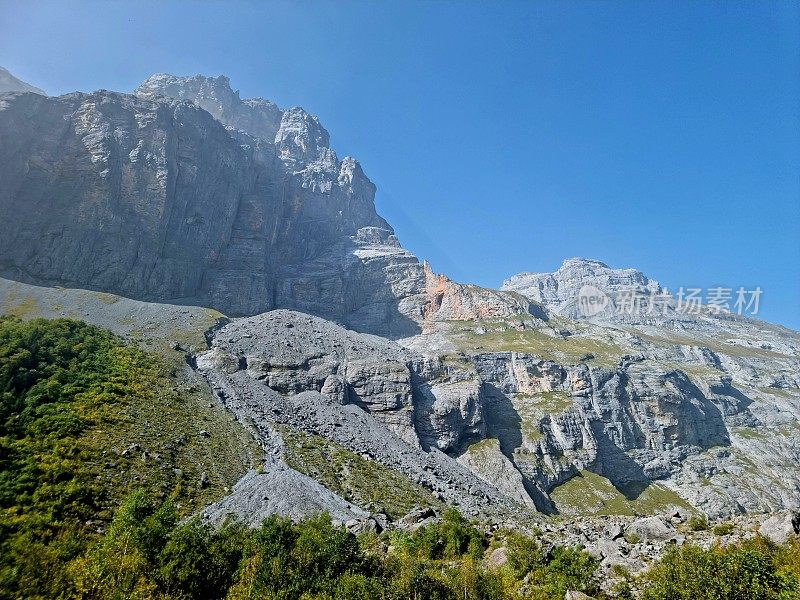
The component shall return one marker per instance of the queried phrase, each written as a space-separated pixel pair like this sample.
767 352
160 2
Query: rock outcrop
287 369
494 400
421 400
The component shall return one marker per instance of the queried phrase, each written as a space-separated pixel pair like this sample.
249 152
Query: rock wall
153 198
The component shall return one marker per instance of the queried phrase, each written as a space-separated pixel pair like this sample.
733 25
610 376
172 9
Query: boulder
781 527
651 529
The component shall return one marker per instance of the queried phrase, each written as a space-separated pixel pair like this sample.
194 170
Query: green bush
698 523
452 537
570 569
746 572
723 528
524 554
58 379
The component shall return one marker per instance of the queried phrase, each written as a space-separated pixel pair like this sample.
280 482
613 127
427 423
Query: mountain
560 291
331 338
153 198
9 83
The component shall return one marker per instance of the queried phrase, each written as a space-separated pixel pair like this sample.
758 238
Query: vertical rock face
186 193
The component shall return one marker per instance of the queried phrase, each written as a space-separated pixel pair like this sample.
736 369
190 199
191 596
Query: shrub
570 569
698 523
632 538
746 572
723 528
452 537
524 554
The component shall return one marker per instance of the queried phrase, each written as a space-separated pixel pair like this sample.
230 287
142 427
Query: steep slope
9 83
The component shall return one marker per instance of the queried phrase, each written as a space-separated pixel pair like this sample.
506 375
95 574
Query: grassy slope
590 493
357 479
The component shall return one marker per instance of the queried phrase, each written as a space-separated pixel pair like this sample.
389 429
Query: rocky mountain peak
190 194
9 83
256 116
302 137
299 137
559 290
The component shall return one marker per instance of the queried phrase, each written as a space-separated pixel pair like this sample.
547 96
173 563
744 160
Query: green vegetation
532 408
749 433
145 554
755 570
510 336
590 493
85 418
361 481
723 529
698 523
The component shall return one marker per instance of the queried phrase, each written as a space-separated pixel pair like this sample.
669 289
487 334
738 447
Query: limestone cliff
152 197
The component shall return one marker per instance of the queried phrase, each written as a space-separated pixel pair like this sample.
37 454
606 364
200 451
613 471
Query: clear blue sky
504 137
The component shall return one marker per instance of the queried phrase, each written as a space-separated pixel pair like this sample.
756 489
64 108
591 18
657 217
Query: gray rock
243 219
284 359
281 491
498 557
651 529
781 527
558 291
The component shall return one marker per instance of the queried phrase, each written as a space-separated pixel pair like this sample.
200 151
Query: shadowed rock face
151 197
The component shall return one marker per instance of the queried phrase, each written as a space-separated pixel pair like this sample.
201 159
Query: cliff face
152 197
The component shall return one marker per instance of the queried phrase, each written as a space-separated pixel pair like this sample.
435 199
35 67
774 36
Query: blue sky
504 137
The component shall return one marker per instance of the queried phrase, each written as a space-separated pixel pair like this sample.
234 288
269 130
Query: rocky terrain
229 231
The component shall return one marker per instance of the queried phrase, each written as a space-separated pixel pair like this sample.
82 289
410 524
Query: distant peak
581 262
9 83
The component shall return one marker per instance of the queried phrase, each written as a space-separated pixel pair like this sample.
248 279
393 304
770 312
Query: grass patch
749 433
592 494
361 481
23 307
532 408
507 336
106 298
